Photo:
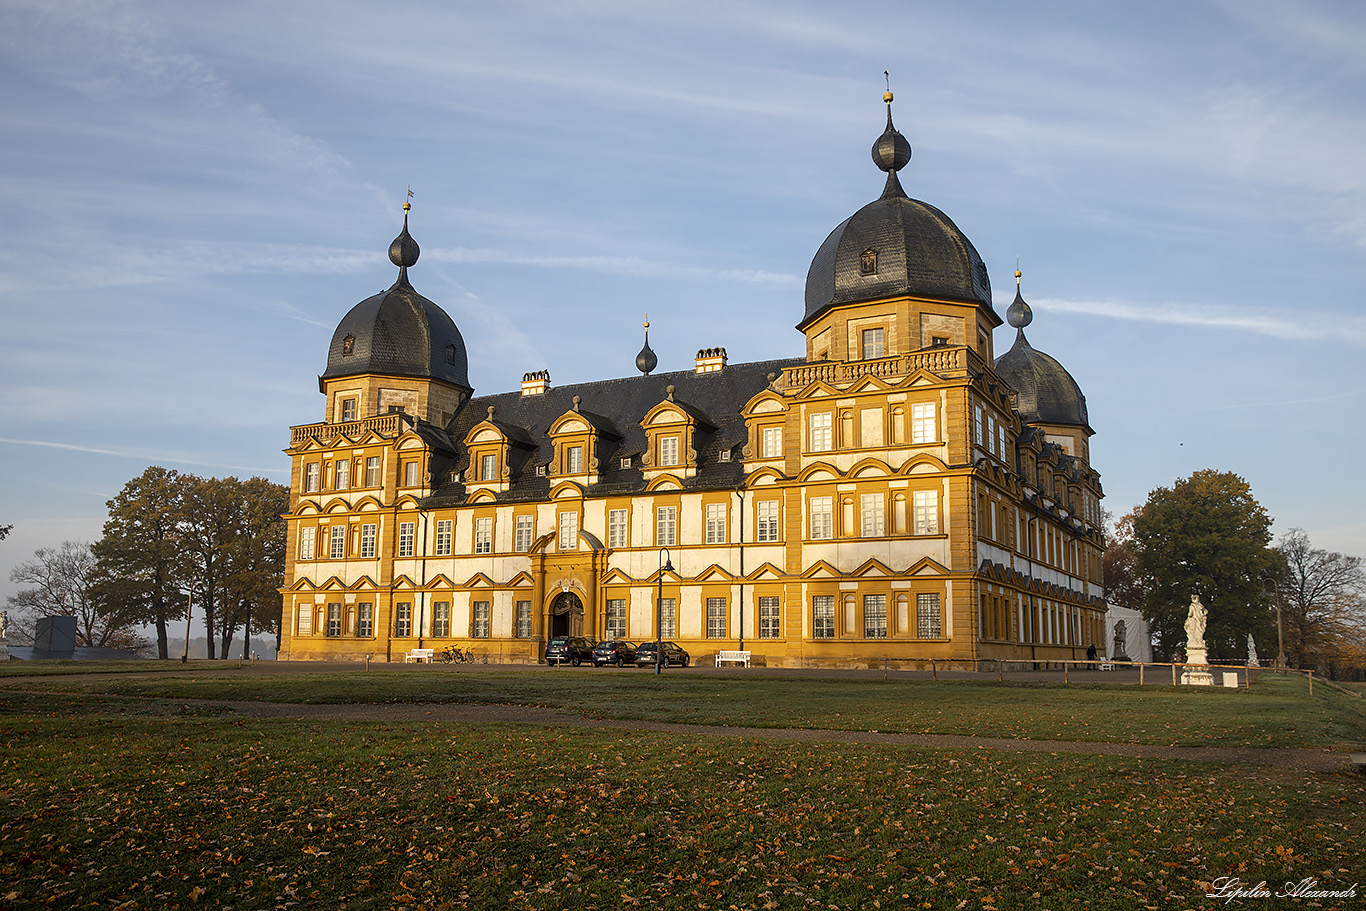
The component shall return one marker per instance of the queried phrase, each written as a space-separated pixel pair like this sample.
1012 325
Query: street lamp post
664 566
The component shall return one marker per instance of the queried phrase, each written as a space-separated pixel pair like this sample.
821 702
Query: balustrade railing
838 373
389 425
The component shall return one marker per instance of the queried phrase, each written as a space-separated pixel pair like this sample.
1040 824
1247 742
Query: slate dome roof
399 332
1046 392
918 249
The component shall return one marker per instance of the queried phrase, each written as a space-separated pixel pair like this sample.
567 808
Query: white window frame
304 615
312 475
524 533
821 427
569 531
307 542
770 617
479 627
618 528
337 548
666 526
925 512
341 474
444 535
333 629
874 343
523 621
928 617
488 467
767 519
716 618
875 616
372 478
369 535
403 620
771 443
991 434
822 519
977 424
412 474
573 459
407 534
365 624
872 512
483 535
668 618
823 616
441 620
668 451
716 523
924 428
616 618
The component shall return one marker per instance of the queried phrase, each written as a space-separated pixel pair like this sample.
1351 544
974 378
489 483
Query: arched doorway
566 615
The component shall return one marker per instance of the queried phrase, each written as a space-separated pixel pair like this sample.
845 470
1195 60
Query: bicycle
454 655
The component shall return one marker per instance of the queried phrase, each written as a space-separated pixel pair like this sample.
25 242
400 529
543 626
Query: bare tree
61 578
1323 603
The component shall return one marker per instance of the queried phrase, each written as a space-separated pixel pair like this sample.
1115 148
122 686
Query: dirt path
1306 760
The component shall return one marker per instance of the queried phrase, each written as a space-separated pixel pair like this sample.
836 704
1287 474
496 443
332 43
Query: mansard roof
620 404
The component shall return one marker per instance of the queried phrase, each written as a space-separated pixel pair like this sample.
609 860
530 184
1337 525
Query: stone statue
4 624
1118 651
1196 673
1251 652
1195 625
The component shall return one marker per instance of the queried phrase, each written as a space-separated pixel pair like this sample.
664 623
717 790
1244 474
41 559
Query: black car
614 651
645 655
574 649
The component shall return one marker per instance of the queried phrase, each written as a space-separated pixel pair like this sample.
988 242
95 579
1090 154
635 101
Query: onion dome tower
1046 394
396 351
646 359
896 247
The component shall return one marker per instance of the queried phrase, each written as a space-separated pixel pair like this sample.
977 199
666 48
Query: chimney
536 382
711 360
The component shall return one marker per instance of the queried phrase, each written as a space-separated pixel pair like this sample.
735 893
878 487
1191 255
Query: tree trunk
227 639
162 648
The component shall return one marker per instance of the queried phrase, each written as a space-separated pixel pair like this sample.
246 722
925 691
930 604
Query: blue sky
195 193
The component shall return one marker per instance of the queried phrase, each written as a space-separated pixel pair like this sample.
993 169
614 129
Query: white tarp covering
1137 640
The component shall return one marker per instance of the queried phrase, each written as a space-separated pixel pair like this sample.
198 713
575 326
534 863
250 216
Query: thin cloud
1305 326
611 265
141 455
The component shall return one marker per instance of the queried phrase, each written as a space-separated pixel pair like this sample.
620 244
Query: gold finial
887 95
1018 273
406 204
647 321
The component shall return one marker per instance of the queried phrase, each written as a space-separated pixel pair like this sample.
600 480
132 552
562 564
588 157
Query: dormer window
348 411
488 467
349 346
450 354
867 262
573 460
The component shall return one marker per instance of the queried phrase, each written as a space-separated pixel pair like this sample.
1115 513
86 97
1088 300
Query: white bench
419 655
733 657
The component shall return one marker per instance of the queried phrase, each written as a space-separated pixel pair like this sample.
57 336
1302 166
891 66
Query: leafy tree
255 561
141 569
1206 535
1322 597
61 578
1125 586
209 518
5 530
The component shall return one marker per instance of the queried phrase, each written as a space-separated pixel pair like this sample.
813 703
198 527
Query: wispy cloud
1304 325
144 455
613 265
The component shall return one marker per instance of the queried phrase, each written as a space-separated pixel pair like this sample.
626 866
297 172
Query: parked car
614 651
574 649
645 655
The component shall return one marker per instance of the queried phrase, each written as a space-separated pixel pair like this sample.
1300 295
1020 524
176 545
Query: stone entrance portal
566 615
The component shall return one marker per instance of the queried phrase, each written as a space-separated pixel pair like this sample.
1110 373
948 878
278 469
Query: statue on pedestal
1251 652
4 635
1119 652
1195 645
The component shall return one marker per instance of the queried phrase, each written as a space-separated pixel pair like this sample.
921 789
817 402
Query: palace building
898 491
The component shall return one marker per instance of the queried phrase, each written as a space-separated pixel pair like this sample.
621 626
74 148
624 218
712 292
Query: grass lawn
1276 712
117 801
